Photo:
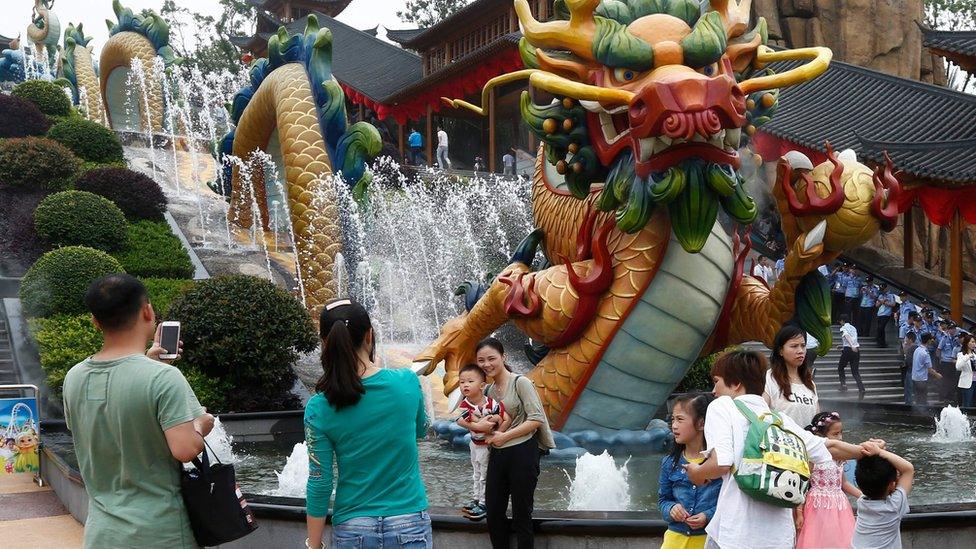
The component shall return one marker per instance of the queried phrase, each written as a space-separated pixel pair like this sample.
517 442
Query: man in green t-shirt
134 420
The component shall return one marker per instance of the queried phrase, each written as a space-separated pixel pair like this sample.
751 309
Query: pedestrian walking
850 356
443 157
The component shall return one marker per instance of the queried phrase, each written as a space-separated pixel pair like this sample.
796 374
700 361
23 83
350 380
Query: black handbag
217 509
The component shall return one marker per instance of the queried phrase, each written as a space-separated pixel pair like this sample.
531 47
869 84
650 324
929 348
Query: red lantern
247 58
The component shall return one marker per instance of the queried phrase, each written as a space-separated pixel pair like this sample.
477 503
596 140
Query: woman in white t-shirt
789 381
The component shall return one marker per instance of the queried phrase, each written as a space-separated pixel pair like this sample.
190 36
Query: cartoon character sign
26 459
19 452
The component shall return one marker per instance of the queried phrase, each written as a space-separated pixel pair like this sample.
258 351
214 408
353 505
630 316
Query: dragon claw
423 367
815 236
798 160
453 399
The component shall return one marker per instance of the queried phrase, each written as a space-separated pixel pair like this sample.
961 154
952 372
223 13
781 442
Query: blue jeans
411 531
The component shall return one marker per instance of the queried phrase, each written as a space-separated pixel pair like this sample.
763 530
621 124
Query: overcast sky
16 14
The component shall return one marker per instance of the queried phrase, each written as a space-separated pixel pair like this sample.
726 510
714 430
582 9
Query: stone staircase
9 373
880 370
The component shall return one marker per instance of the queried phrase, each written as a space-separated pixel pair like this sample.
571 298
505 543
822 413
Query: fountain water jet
599 485
952 426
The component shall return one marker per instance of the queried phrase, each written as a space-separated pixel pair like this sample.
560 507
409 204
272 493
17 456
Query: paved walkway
31 517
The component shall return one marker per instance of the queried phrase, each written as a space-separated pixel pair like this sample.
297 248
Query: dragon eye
624 75
710 70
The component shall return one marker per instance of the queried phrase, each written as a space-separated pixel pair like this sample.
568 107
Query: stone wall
881 35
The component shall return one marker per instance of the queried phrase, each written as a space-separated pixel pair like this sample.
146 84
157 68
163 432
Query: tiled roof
435 32
950 161
372 66
402 36
924 127
963 42
5 42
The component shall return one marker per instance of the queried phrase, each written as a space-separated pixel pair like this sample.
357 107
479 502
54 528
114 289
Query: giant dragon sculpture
294 109
44 33
40 61
78 68
638 155
134 36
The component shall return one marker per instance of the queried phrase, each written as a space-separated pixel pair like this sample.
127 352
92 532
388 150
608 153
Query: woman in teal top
369 419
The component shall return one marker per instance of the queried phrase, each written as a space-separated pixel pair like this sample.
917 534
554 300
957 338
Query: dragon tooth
646 148
592 106
699 137
660 144
665 139
732 137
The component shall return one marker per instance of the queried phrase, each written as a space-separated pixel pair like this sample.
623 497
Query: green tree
953 15
426 13
204 40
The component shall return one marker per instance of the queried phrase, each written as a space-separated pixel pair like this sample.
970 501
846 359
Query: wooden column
955 267
492 95
402 141
428 139
908 231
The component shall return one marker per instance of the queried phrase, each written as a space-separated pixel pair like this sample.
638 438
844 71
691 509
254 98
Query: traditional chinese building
404 86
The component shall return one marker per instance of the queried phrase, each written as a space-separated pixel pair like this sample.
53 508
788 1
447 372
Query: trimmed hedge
37 163
88 140
57 283
48 96
20 245
162 293
62 342
154 251
247 332
21 118
79 218
699 375
137 195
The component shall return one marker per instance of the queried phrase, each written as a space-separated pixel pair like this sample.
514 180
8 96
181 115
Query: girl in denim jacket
685 507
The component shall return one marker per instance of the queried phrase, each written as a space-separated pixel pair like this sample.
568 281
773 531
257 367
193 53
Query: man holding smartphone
134 420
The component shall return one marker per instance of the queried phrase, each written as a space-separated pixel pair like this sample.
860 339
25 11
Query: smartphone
169 339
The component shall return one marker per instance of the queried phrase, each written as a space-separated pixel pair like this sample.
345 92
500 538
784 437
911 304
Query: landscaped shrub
20 246
699 375
248 332
48 96
88 140
21 118
65 340
139 196
79 218
37 163
212 392
56 284
154 251
62 342
162 293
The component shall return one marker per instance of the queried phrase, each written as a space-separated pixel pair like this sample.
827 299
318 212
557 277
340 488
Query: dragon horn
551 83
575 35
819 60
735 15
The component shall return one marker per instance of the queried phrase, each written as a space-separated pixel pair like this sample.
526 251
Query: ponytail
343 326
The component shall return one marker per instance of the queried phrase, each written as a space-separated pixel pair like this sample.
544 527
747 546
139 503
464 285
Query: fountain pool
627 483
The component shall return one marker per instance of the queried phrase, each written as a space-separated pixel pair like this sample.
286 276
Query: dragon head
652 97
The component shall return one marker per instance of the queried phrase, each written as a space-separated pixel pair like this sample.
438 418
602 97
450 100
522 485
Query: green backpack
775 467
